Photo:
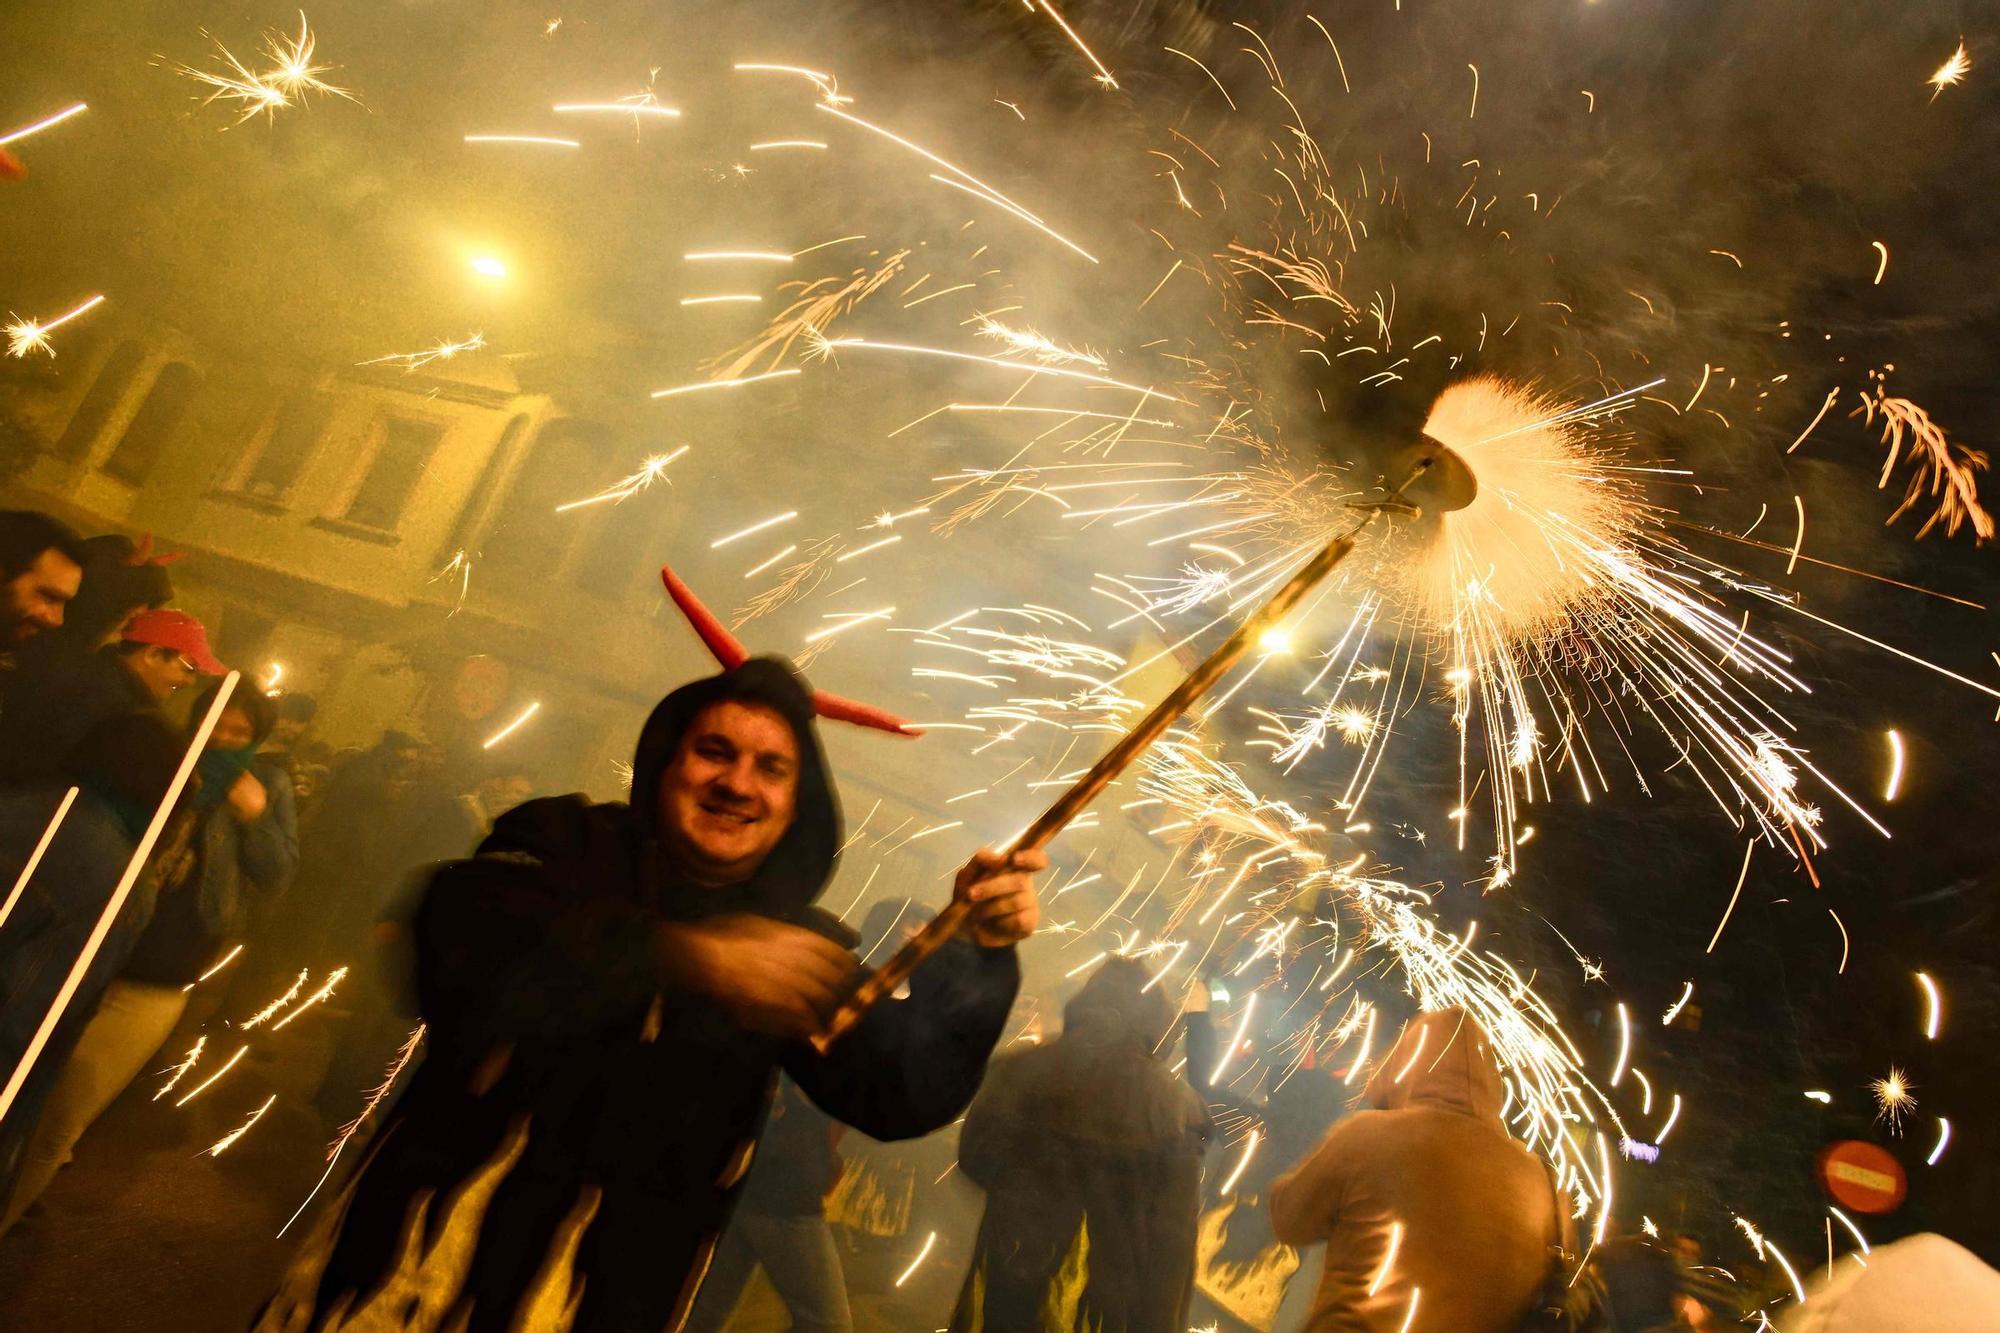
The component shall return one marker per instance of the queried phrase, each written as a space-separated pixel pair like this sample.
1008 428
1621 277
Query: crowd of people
620 1113
103 685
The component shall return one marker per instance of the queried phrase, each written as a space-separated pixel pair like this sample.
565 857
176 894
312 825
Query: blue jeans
799 1257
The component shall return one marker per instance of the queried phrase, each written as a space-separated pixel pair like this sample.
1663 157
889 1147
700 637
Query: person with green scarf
245 847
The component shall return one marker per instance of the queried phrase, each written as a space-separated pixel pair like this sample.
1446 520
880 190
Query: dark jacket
576 1133
45 932
1477 1211
1090 1153
239 867
54 698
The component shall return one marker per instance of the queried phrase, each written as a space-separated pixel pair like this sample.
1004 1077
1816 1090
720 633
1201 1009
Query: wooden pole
1071 803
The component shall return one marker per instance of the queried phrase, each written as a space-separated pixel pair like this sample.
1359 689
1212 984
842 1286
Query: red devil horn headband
730 654
142 553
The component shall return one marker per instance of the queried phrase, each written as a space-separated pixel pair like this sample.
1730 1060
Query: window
392 474
156 425
477 503
528 540
107 391
293 437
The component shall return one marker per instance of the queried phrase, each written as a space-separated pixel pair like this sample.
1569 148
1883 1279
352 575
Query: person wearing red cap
160 653
165 651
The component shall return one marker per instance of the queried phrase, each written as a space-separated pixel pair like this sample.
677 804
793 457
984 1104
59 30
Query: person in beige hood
1423 1198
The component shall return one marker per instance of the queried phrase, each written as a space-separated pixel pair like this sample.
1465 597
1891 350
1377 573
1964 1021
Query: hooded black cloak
570 1148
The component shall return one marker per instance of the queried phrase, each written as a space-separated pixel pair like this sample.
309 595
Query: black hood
802 862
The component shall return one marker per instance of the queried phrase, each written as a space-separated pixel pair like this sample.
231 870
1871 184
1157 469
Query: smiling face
730 792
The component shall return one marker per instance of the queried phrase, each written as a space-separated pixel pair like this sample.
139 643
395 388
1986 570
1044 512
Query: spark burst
289 77
227 1141
1893 1100
1941 470
650 471
28 335
1952 72
324 992
444 350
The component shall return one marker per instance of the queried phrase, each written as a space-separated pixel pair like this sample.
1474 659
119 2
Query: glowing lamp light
488 266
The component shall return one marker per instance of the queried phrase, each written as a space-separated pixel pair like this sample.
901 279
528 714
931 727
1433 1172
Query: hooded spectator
1423 1197
1090 1151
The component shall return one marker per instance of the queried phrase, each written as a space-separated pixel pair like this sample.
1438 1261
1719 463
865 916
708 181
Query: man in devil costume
610 992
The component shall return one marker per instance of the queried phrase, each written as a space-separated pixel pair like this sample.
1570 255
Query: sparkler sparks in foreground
28 335
323 993
726 383
619 491
759 526
1892 1099
1952 72
1894 783
634 105
270 1010
1103 77
34 860
290 77
531 140
1560 557
1023 342
1941 469
1382 1270
347 1132
917 1262
181 1069
443 351
403 1057
212 1079
520 720
46 122
1943 1141
223 1144
1933 1006
1243 1162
